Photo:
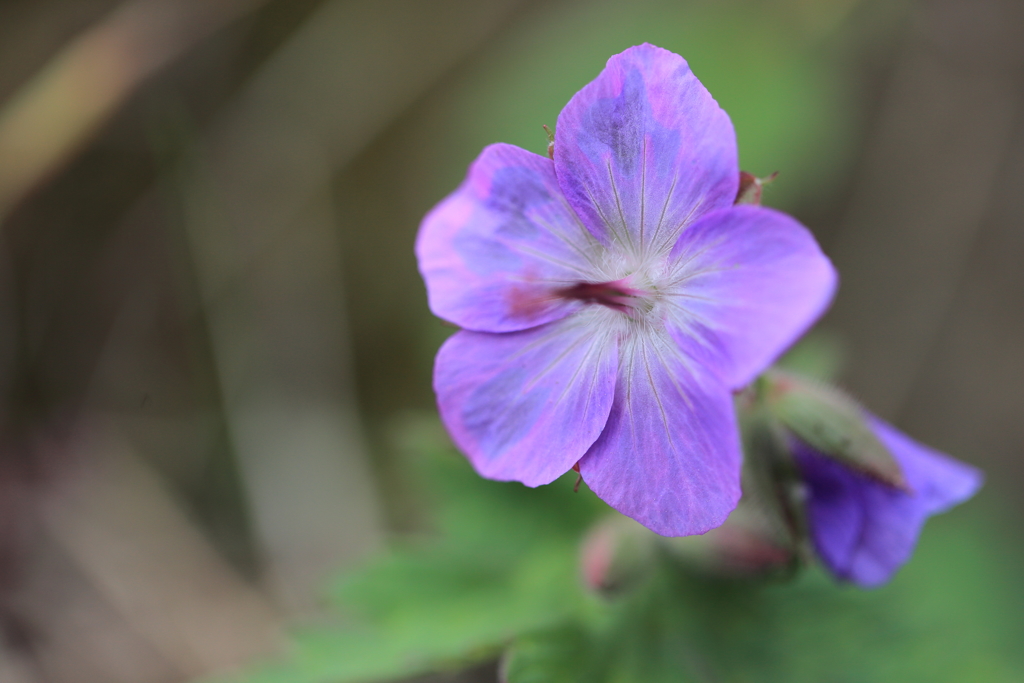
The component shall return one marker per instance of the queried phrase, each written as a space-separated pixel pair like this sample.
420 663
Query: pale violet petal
644 150
669 456
864 530
746 283
495 250
525 406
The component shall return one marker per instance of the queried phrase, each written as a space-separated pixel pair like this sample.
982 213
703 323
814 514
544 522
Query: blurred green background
215 337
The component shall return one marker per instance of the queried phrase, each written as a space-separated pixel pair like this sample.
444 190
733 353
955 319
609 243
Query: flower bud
751 188
616 554
833 424
744 547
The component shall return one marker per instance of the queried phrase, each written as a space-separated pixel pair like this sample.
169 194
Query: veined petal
669 456
864 530
644 150
746 283
493 251
525 406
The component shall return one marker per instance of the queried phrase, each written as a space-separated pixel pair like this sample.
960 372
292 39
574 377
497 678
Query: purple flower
864 530
612 298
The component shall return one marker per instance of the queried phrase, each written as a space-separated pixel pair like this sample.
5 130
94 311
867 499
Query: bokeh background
211 320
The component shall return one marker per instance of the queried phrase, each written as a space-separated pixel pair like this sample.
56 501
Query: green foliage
503 562
502 572
939 621
819 355
767 64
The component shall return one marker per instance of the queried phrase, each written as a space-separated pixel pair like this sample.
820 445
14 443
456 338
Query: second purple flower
612 298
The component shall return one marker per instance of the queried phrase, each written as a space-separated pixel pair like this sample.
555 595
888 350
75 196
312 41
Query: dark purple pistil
615 294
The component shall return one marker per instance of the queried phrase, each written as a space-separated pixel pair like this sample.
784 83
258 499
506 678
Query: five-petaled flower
864 530
612 298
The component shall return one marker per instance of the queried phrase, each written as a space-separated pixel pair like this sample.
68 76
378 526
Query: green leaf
819 355
830 422
564 654
950 616
501 572
503 561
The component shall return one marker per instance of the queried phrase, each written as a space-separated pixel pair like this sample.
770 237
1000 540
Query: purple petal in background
525 406
644 150
493 251
669 456
746 283
864 530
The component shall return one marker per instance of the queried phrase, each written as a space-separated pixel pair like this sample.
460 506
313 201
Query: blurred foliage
820 355
782 69
776 67
767 64
502 571
503 562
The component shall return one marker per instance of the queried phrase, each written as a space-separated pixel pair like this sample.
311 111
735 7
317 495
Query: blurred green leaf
565 654
502 562
501 572
818 355
944 619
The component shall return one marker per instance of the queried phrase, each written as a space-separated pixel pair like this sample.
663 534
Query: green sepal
830 422
771 483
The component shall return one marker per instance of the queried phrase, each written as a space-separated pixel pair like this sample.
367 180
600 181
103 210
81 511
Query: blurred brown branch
54 114
123 532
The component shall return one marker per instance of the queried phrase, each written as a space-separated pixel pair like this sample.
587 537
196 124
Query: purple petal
495 249
864 530
669 456
644 150
525 406
747 282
